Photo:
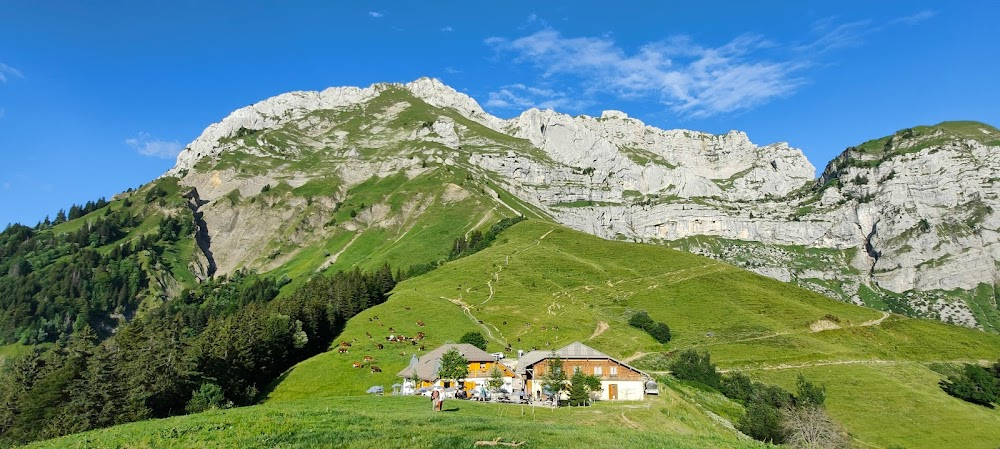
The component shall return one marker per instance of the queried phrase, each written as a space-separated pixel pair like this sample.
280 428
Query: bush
975 384
809 394
762 422
208 397
696 367
475 339
659 331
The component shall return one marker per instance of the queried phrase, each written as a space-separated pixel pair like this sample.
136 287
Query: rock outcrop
906 222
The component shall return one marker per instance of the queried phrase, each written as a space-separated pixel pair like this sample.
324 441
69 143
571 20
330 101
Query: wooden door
613 391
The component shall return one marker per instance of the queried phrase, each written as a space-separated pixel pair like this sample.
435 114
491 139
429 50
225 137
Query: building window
614 371
482 367
598 371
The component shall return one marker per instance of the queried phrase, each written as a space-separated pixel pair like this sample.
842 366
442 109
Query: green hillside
398 422
542 285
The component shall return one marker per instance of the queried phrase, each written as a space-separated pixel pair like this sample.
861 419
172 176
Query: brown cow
369 358
345 344
342 350
356 364
368 335
420 335
379 346
420 323
376 369
392 329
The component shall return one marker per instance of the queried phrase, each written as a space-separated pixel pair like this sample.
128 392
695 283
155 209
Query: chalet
481 364
619 381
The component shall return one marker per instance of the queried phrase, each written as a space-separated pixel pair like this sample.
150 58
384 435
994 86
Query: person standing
435 399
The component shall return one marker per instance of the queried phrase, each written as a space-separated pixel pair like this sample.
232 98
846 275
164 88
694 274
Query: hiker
435 399
440 403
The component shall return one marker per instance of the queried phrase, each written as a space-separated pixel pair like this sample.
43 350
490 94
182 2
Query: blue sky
97 97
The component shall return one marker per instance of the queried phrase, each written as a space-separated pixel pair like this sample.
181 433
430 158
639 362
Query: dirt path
601 328
635 356
847 362
486 326
877 321
333 259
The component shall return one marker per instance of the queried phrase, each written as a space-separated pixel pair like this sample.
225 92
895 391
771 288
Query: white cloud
520 97
376 14
447 29
913 19
148 145
451 70
692 80
7 72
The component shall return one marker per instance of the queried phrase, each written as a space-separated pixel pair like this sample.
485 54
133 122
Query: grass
897 404
408 422
554 290
12 350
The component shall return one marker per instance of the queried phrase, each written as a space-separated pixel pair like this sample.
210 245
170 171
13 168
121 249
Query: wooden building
619 381
481 366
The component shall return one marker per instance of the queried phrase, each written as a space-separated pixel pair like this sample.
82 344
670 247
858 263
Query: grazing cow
379 346
345 344
545 328
342 350
368 335
414 342
376 317
369 358
420 335
356 364
504 323
402 353
392 329
420 323
518 339
376 369
422 348
407 307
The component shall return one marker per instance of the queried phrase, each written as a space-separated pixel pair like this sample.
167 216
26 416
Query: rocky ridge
905 222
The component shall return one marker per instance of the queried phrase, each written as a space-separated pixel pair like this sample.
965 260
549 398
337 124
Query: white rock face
917 221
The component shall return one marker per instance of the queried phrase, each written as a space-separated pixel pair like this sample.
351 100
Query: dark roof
575 350
427 366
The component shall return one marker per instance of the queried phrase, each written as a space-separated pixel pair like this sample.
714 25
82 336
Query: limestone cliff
905 222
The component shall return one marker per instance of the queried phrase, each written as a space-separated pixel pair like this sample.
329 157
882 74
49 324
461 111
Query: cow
422 348
420 335
342 350
420 323
369 335
356 364
379 346
345 344
376 369
369 358
392 329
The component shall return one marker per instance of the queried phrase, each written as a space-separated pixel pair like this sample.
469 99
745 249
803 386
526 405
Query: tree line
219 345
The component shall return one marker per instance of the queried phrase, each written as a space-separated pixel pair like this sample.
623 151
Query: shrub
762 422
208 397
475 339
659 331
975 384
696 367
809 394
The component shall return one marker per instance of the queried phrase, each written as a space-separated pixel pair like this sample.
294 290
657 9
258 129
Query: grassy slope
569 281
390 422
